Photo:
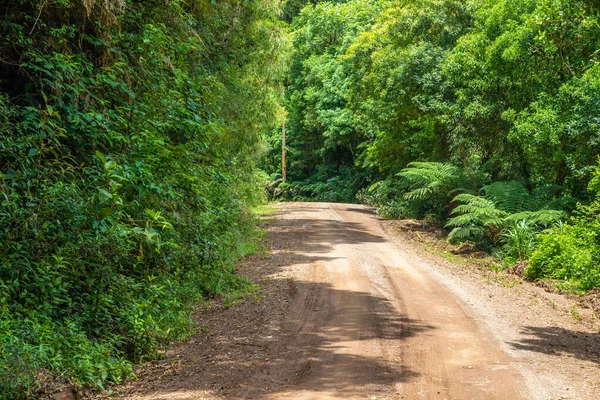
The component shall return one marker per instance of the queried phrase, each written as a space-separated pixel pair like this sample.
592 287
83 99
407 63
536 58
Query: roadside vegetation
129 136
478 116
137 137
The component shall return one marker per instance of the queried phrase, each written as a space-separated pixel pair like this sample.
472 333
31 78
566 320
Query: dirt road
348 313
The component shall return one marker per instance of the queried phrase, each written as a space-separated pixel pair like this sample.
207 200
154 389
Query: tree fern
474 217
431 180
503 206
544 218
462 233
508 196
513 197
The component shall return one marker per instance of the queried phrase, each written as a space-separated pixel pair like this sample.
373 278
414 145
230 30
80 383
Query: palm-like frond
429 179
513 197
509 196
474 212
475 201
461 234
543 218
504 205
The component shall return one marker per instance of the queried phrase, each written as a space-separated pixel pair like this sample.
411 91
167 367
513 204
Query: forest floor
355 307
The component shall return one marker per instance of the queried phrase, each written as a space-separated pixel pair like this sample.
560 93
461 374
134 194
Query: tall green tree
398 88
323 140
504 73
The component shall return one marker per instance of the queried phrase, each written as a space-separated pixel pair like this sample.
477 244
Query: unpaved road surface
348 312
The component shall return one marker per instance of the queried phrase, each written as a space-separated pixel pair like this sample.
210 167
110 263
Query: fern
544 218
461 234
513 197
431 180
504 206
474 217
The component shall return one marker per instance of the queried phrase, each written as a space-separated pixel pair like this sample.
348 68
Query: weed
574 313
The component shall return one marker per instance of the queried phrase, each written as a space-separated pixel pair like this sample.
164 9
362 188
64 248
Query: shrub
387 196
420 189
569 253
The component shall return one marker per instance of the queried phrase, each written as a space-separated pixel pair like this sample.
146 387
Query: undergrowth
504 218
129 135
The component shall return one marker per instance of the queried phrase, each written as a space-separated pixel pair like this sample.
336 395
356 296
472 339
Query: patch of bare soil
232 343
432 239
554 333
354 307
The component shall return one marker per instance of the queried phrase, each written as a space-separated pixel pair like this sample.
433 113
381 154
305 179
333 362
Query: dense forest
481 117
129 136
136 137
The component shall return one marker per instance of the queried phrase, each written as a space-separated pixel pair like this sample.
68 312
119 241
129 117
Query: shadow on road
363 210
315 352
243 355
560 342
301 335
319 236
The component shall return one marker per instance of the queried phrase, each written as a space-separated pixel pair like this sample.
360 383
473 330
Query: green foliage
431 181
380 84
570 252
321 135
398 88
431 186
519 240
325 186
422 188
388 197
455 95
476 217
129 133
513 197
506 206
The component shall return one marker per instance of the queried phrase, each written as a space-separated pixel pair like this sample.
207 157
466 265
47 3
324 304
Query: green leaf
105 212
110 165
32 152
103 195
101 156
151 213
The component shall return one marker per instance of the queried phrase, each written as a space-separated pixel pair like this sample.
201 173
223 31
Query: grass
495 272
502 278
574 313
232 298
233 292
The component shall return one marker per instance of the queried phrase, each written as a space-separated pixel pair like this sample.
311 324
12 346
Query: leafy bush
387 196
432 181
339 185
420 189
568 253
571 252
432 185
476 218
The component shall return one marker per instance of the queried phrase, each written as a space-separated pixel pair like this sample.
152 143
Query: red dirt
353 308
